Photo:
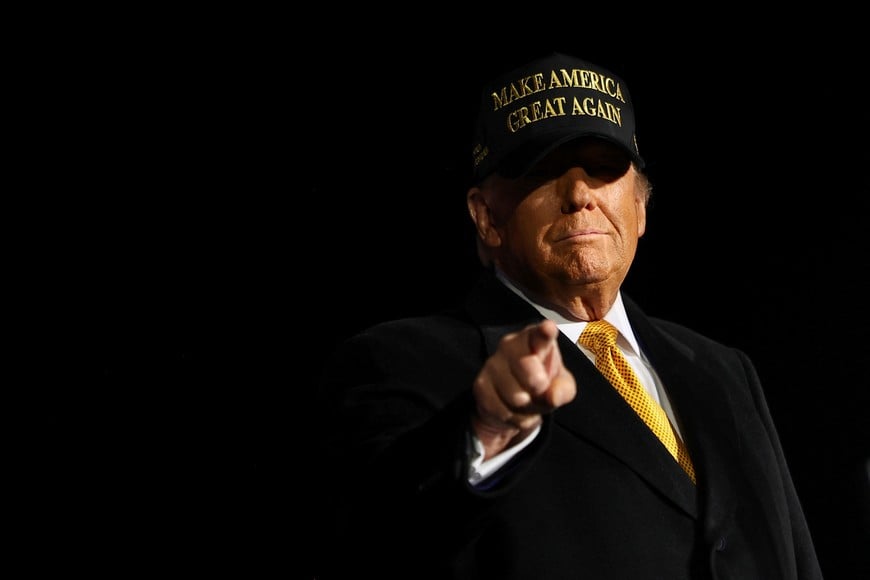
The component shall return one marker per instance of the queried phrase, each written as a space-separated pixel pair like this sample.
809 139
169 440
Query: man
497 441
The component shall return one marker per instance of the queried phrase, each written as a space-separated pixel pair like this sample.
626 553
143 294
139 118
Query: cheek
524 232
533 215
513 203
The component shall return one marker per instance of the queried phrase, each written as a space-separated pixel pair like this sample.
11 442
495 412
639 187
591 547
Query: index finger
542 336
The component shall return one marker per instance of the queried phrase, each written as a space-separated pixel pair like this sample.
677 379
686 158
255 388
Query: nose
576 190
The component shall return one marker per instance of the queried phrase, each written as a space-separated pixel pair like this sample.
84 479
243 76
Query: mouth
581 234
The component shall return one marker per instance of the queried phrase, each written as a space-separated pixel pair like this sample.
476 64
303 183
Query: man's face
575 218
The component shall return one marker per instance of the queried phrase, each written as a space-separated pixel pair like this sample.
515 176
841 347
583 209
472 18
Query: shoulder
701 349
430 326
432 354
656 333
647 326
410 339
684 333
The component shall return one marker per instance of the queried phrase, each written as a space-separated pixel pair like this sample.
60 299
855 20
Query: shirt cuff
479 470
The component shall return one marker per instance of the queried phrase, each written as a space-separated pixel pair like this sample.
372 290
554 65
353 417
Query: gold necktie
599 336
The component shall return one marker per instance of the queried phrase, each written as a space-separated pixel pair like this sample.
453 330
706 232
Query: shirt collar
615 316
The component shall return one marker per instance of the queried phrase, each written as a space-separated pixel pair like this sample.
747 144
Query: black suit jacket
595 496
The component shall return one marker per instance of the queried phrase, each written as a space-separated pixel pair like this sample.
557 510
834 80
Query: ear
640 206
482 216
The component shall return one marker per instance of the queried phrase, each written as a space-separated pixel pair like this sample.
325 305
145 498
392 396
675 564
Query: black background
230 195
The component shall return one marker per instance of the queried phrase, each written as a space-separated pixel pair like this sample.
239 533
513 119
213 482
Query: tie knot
599 335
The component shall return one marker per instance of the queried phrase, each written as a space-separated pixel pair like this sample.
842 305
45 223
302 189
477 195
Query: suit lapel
700 400
600 415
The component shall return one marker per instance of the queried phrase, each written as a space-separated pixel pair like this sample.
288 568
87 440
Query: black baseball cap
530 111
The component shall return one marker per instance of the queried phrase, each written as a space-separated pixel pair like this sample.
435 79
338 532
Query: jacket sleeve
805 558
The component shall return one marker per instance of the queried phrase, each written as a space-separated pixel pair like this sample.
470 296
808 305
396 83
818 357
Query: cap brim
520 162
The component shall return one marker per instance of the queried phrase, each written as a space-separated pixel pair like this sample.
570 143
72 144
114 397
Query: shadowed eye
607 171
606 168
599 158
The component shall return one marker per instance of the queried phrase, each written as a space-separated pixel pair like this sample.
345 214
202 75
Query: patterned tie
599 336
